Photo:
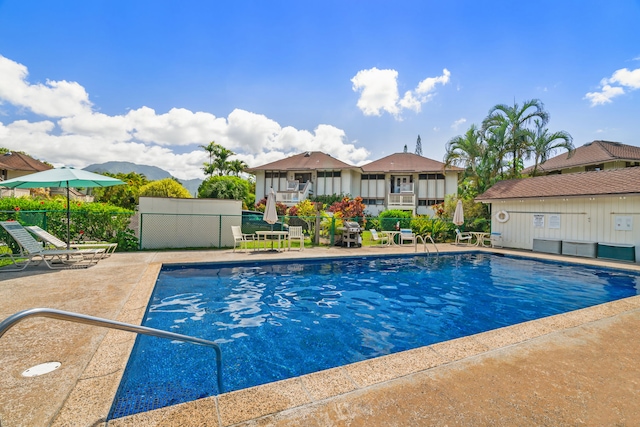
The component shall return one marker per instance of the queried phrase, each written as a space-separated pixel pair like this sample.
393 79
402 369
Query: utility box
617 251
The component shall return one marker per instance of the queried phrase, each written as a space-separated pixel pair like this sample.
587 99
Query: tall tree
218 159
236 167
419 146
544 144
514 120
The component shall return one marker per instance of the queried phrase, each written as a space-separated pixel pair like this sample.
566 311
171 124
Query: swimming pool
282 319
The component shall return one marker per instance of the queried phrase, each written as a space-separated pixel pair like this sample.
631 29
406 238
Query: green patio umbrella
64 177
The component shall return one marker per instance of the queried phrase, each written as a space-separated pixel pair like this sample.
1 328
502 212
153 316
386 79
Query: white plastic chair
295 233
407 235
460 237
240 238
383 239
57 243
32 250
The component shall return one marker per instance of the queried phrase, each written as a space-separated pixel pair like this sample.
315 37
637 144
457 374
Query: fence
174 231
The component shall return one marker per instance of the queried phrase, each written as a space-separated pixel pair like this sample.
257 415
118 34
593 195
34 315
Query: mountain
153 173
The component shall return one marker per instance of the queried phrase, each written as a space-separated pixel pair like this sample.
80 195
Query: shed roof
597 183
21 162
309 160
405 162
589 154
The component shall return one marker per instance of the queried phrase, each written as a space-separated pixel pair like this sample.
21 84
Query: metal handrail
12 320
424 243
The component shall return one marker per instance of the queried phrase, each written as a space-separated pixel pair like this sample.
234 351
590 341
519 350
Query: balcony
295 193
401 201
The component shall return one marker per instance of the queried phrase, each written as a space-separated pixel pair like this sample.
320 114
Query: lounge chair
460 237
383 239
407 235
295 233
240 238
32 250
52 240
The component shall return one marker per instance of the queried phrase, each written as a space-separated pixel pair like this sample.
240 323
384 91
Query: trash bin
496 240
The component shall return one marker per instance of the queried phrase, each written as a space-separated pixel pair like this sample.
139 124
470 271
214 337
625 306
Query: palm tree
237 166
544 144
514 121
209 148
221 160
465 151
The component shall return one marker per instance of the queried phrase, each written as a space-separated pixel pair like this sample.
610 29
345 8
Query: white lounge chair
407 235
52 240
295 233
461 237
32 250
240 238
383 239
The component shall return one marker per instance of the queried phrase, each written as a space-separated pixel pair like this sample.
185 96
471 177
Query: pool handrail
424 239
52 313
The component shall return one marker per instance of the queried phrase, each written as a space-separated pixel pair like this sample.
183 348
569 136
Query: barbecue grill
351 234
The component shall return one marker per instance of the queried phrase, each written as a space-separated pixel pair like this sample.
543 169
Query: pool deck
579 368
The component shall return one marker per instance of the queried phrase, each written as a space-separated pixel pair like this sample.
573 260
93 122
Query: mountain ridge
152 173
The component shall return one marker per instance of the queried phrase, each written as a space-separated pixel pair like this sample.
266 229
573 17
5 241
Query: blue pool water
278 320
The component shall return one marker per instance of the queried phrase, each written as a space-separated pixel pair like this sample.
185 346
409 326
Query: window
431 176
273 175
329 174
632 164
592 168
371 202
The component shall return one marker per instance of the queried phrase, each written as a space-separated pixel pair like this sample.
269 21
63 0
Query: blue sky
86 82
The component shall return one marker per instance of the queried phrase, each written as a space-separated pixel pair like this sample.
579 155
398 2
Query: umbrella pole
68 218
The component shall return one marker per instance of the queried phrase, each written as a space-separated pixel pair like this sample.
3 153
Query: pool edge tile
255 402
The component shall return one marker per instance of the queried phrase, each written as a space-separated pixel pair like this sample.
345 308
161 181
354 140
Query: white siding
584 218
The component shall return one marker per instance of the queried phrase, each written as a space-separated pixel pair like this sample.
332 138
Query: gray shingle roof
405 162
21 162
598 183
310 160
589 154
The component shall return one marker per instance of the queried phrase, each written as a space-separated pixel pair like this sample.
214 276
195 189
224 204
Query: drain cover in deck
41 369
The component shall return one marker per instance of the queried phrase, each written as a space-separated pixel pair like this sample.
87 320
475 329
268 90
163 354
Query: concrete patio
579 368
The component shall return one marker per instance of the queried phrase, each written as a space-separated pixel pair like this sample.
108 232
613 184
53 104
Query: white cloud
53 99
604 96
458 123
622 78
625 77
168 140
379 92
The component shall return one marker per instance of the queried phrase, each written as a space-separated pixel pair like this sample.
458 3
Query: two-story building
592 156
403 181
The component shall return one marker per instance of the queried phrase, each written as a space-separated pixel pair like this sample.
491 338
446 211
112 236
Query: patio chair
240 238
407 235
461 237
295 233
383 239
57 243
55 259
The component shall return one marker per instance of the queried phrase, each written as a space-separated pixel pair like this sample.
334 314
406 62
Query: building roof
21 162
589 154
405 162
310 160
597 183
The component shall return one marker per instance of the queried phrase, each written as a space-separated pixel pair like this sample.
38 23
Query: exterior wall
184 223
590 219
350 182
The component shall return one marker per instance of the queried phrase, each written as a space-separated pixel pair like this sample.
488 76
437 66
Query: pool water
277 320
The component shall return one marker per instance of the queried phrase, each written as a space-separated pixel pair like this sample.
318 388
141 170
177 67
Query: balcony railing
295 193
401 200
